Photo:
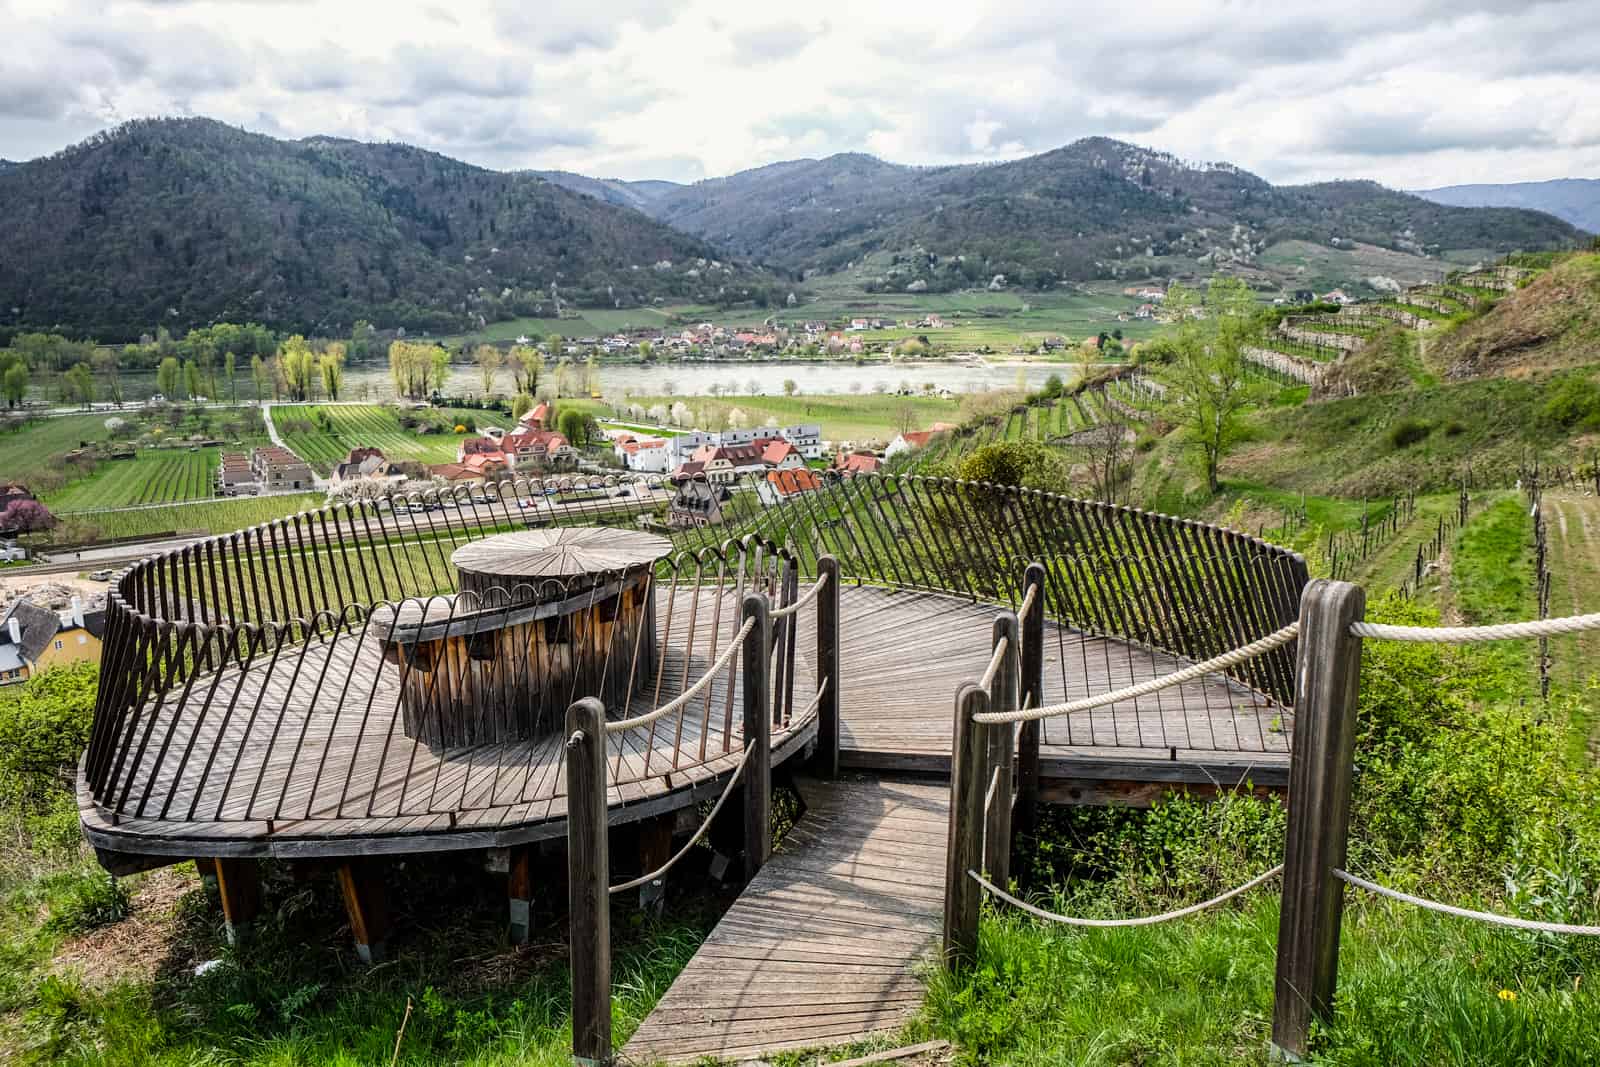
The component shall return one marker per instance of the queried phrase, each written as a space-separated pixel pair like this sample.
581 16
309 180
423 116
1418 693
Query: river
370 381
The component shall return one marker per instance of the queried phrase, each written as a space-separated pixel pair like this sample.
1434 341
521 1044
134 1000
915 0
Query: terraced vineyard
368 426
25 452
209 516
157 477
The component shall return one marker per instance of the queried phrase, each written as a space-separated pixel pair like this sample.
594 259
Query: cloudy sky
1410 92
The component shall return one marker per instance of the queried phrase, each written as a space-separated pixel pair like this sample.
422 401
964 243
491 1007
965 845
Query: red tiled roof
777 451
794 480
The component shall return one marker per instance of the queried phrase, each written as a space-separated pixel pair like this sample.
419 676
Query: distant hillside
185 222
1097 208
1576 200
636 195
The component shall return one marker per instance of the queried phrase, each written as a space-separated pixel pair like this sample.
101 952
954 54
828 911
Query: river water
370 381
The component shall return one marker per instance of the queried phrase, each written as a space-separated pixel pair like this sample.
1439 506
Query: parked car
101 575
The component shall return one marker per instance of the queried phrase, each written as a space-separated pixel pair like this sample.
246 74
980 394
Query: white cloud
1410 92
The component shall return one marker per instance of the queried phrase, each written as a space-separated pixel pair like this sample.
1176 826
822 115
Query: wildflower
1508 995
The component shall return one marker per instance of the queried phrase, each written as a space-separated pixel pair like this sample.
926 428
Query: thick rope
811 705
800 602
682 699
1464 913
994 666
1143 920
1570 624
698 834
1154 685
1027 601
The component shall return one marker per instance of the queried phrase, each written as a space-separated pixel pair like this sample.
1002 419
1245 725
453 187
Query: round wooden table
542 618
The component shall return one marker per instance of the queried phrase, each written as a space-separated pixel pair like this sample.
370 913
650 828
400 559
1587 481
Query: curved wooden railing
234 657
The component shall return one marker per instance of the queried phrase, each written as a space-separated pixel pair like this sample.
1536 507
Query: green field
31 450
363 426
842 417
151 477
211 516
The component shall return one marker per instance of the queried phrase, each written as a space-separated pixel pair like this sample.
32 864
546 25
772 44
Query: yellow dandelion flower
1508 995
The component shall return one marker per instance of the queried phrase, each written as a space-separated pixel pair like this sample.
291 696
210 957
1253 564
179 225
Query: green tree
229 367
330 365
15 383
297 364
108 362
1210 392
191 378
489 360
789 387
573 427
169 377
362 339
521 404
80 381
261 375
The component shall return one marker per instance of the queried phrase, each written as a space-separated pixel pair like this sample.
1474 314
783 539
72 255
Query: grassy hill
1096 208
1552 322
188 221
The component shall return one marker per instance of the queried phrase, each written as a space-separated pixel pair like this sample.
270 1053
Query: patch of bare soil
136 948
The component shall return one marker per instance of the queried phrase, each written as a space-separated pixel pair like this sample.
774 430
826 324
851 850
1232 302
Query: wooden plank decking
827 943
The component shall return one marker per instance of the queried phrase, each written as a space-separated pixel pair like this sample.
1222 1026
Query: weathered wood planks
825 945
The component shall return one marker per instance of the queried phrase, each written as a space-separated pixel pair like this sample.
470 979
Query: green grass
354 426
32 449
1414 989
211 516
150 477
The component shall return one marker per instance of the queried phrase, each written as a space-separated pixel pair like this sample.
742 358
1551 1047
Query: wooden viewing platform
827 944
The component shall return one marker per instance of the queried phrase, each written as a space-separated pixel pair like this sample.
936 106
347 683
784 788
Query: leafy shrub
1024 463
1574 403
1408 432
43 729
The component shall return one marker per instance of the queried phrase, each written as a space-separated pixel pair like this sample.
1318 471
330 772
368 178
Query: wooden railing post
1002 742
1025 818
757 669
969 777
826 763
1320 770
588 883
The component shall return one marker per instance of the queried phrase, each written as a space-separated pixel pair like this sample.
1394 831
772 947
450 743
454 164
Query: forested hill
1095 208
182 222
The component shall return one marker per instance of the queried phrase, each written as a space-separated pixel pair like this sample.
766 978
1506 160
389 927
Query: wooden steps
826 944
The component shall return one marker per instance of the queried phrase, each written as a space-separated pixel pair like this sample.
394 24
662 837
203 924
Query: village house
784 483
364 465
235 476
1145 311
1338 296
538 449
34 639
781 455
723 464
697 503
910 441
851 464
478 469
646 455
280 470
11 492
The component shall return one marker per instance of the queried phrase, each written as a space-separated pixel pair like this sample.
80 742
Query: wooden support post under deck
1025 818
826 762
239 884
1320 770
969 777
588 883
361 883
757 669
655 848
1001 742
519 892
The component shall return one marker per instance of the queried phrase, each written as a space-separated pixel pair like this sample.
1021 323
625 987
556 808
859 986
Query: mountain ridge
1574 200
183 222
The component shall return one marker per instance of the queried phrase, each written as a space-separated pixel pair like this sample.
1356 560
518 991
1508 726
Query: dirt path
1574 532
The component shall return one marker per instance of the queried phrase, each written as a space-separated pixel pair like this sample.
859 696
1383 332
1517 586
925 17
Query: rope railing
993 668
1155 685
646 879
618 726
1466 913
808 597
1027 601
1510 631
1143 920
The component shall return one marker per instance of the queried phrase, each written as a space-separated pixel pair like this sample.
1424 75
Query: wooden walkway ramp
827 944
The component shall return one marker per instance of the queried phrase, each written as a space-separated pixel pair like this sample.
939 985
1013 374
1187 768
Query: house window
82 639
58 645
